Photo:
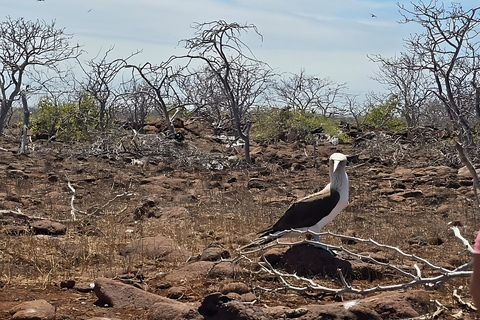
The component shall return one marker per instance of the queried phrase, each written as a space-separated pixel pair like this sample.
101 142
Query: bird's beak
335 165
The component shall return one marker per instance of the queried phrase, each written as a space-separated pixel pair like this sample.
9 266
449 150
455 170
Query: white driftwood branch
457 233
74 210
303 283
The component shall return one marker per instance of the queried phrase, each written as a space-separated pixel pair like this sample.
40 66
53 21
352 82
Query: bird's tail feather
260 241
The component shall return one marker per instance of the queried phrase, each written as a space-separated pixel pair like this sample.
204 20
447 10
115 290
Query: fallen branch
20 215
74 210
457 234
466 162
303 283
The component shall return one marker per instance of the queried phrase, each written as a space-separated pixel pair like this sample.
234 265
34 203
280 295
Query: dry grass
227 213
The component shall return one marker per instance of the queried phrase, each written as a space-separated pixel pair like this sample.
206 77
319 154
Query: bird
373 16
313 212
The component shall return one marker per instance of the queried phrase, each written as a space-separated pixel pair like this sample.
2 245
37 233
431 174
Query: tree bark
26 123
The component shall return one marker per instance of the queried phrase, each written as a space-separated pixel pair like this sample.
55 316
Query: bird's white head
336 160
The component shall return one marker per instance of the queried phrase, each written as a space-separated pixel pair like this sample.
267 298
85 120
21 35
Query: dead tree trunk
26 122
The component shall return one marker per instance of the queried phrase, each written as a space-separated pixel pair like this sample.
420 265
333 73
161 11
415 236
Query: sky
326 38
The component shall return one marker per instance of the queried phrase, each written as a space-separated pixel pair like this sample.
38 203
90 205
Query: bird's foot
324 247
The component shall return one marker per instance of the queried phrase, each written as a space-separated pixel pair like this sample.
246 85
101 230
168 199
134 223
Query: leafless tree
100 75
160 80
447 49
202 91
135 102
242 77
410 84
303 92
354 108
27 46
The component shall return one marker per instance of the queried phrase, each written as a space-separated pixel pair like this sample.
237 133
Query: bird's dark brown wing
306 212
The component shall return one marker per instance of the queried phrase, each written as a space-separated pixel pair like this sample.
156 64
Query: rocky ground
144 227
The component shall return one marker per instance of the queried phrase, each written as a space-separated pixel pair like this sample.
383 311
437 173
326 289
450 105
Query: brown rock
120 295
237 287
48 227
191 271
176 311
158 247
84 286
398 305
220 307
308 260
176 292
224 270
214 253
67 284
33 310
387 305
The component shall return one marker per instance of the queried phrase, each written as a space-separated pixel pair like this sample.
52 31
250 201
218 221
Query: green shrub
384 116
69 121
269 124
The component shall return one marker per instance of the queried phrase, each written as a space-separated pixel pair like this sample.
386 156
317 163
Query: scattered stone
366 271
33 310
119 295
189 272
16 174
67 284
220 307
463 172
176 292
214 253
147 209
420 240
237 287
157 247
48 227
103 318
376 256
84 286
173 311
224 270
308 260
401 196
387 305
275 254
443 209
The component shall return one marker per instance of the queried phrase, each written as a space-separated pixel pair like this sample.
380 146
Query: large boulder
33 310
220 307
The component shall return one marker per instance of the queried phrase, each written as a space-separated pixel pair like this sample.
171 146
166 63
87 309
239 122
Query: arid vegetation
155 174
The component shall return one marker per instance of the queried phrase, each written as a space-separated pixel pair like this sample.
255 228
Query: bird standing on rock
313 212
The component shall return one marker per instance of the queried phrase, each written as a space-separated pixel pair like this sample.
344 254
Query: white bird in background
313 212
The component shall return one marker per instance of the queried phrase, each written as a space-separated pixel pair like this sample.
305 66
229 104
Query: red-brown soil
404 193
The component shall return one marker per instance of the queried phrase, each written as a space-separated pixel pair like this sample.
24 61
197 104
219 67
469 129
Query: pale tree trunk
26 122
3 115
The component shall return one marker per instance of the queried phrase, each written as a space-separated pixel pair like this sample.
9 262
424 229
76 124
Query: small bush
69 121
384 116
270 124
